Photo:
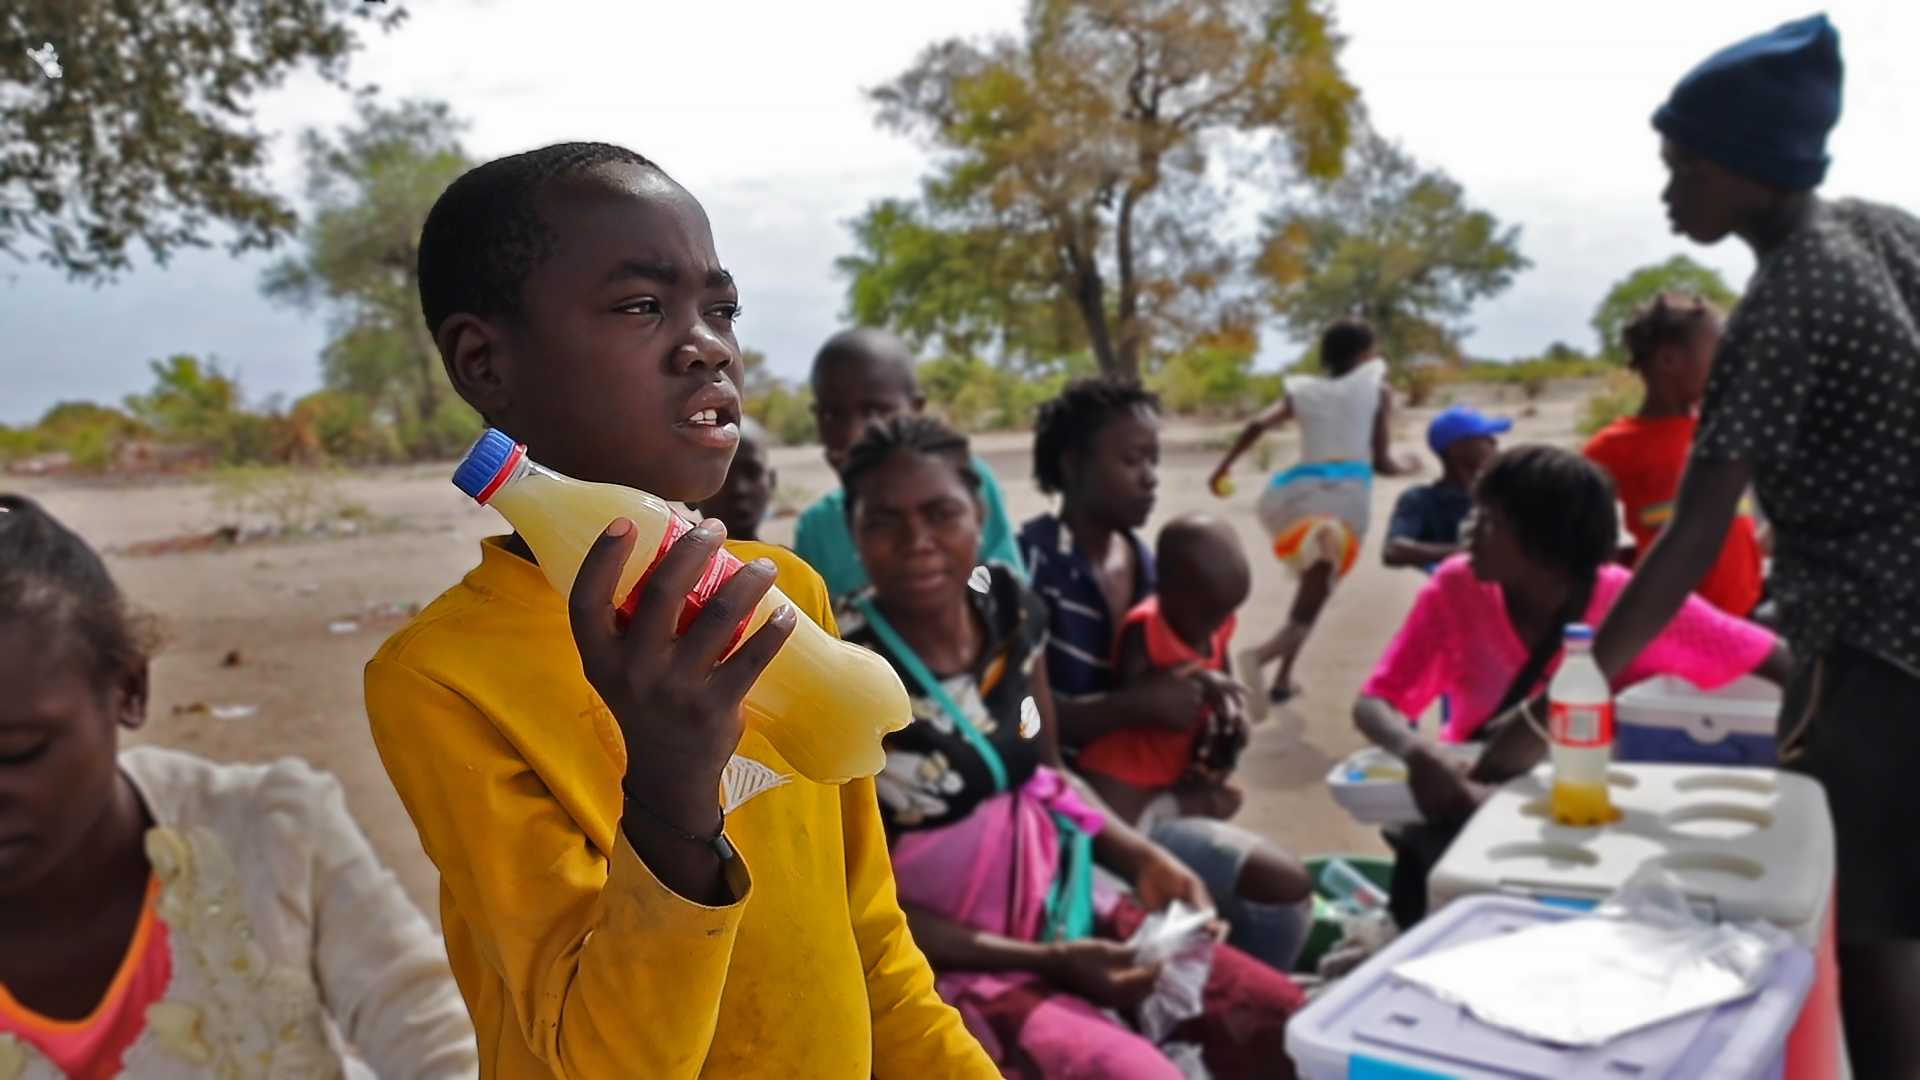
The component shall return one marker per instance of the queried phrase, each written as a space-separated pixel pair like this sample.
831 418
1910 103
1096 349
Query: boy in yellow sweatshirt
632 884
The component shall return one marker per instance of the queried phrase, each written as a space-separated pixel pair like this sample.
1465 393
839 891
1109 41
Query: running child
1185 627
606 911
861 379
1317 511
1670 344
165 916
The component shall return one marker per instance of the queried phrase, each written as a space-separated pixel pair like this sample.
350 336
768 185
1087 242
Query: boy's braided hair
1067 424
484 236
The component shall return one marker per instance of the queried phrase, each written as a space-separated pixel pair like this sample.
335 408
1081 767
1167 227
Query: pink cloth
1004 853
1457 641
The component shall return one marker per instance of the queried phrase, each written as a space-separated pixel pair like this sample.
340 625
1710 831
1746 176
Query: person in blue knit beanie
1814 401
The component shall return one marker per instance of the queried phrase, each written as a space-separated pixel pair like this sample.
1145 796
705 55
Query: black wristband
717 843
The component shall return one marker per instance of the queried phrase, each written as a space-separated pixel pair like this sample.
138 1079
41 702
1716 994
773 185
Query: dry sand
276 604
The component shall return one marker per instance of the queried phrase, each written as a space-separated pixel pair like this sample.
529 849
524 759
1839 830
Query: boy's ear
478 362
130 698
919 403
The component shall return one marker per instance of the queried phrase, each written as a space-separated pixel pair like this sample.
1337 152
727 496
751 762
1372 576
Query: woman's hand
1440 786
1103 972
1162 879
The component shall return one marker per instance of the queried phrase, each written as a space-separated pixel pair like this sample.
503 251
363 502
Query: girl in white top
1317 511
164 916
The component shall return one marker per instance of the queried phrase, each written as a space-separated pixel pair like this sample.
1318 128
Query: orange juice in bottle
823 704
1581 724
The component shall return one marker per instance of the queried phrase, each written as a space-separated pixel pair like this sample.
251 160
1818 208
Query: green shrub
1620 395
975 395
290 499
1420 382
784 409
18 443
447 433
1211 379
335 426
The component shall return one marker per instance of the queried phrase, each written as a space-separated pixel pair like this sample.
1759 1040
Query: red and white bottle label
720 568
1581 725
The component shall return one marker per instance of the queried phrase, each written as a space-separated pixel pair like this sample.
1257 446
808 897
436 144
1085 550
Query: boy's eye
646 305
17 754
729 311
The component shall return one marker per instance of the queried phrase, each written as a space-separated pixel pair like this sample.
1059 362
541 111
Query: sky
1540 109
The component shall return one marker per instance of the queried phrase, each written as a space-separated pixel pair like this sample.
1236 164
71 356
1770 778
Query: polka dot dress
1817 387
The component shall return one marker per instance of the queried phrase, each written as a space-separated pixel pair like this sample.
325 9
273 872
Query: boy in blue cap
1425 529
1814 400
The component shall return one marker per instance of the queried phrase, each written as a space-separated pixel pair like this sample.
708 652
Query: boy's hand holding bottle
678 712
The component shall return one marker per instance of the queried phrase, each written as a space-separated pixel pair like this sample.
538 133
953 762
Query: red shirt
1153 758
1646 459
91 1048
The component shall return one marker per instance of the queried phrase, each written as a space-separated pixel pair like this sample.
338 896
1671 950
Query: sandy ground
304 616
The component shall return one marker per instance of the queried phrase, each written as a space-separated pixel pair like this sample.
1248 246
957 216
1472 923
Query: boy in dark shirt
1425 529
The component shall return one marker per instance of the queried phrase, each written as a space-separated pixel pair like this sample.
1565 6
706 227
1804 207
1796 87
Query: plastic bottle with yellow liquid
1580 721
823 704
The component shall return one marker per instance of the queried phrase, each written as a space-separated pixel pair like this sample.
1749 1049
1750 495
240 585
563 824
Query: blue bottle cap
492 455
1579 632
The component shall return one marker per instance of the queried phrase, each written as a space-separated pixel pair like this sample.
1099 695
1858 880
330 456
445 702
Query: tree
371 186
1074 166
132 123
959 291
1392 243
1679 274
189 401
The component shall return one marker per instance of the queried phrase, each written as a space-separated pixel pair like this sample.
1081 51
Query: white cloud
1539 108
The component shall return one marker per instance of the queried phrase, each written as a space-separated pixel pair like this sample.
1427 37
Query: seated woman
164 916
1486 633
992 846
1097 446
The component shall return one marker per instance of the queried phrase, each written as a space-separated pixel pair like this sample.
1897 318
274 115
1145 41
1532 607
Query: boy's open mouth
711 417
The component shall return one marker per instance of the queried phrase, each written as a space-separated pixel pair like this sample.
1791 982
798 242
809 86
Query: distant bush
333 426
784 409
975 395
290 499
1620 395
1420 382
446 433
1533 377
1214 380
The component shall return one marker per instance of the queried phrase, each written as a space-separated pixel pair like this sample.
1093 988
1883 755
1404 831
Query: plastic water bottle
823 704
1343 884
1580 719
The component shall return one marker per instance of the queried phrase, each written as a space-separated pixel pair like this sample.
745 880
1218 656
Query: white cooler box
1374 1026
1669 719
1745 843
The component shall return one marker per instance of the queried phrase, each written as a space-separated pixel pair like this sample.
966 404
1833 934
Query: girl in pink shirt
1486 632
